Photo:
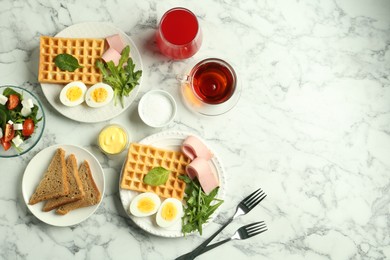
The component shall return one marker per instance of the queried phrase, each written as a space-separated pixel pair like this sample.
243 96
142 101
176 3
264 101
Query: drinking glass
211 87
178 35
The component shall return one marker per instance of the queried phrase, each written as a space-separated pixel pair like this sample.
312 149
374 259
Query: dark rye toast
54 183
92 193
76 191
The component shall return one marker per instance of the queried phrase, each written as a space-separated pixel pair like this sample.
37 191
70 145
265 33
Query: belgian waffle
87 51
142 158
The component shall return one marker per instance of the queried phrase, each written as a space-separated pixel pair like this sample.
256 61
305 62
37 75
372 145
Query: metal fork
242 233
243 208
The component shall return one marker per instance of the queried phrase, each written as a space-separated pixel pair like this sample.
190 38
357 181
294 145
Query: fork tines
254 198
256 228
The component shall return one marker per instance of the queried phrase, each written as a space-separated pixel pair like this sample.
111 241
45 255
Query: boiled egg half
99 95
145 204
73 93
170 211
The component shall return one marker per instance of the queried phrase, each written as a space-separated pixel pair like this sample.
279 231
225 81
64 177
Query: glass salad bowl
29 132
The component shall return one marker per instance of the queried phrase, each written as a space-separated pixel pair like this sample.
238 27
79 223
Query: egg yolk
99 95
146 205
74 93
169 211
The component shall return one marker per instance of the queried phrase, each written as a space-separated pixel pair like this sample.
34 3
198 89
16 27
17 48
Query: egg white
179 213
134 204
91 102
66 101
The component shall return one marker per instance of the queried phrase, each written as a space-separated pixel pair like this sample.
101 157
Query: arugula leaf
124 56
199 206
122 78
156 176
67 62
100 65
112 68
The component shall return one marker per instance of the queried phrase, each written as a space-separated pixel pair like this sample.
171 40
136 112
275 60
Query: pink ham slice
111 54
193 147
115 42
200 168
116 46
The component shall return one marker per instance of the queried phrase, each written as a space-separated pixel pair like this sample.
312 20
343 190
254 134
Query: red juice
213 81
179 35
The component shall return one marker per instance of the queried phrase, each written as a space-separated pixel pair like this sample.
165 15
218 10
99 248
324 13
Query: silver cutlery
243 208
242 233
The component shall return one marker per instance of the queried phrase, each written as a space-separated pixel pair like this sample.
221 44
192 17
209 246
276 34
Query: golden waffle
142 158
87 51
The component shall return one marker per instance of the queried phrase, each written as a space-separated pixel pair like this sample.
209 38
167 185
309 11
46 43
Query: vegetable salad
18 119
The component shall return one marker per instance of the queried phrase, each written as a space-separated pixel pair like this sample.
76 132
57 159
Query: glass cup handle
183 78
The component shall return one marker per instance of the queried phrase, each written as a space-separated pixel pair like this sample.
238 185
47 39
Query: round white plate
171 141
83 113
34 173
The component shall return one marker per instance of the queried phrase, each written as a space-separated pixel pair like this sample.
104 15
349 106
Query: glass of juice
178 35
211 87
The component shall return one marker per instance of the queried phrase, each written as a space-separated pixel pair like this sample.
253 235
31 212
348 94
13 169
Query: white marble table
312 128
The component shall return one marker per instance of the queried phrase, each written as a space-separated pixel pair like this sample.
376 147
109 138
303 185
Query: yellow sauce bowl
113 139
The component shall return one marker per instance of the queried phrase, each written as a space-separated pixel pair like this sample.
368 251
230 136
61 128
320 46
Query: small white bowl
157 108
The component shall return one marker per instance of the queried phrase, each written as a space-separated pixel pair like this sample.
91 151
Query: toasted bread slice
76 191
54 183
92 193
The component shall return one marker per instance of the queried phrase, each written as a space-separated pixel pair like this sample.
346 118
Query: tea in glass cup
211 87
213 81
178 35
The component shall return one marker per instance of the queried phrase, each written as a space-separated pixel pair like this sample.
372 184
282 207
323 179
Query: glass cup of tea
179 35
211 87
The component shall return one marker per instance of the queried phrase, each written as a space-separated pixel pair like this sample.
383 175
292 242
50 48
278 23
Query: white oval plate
83 113
171 141
34 173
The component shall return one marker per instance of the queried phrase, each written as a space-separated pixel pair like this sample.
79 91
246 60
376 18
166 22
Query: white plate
172 141
34 173
83 113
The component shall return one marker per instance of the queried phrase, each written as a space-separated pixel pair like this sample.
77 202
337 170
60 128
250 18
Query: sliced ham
111 54
201 169
115 42
193 148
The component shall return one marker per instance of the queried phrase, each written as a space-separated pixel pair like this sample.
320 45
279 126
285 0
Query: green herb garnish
67 62
200 206
122 78
156 176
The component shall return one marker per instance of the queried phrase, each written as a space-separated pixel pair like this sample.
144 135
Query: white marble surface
312 127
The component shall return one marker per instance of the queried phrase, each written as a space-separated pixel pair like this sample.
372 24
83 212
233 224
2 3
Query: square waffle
142 158
87 51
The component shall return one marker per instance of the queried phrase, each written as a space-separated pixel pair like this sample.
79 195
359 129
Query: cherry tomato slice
13 101
9 133
6 145
28 127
